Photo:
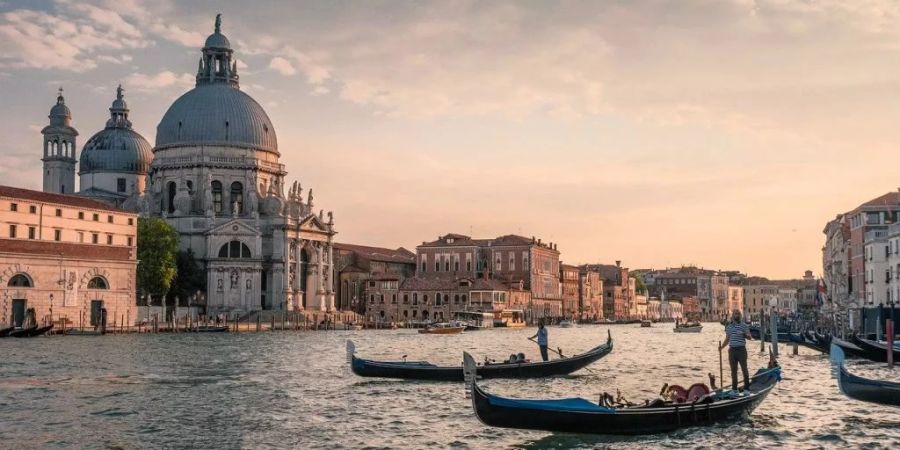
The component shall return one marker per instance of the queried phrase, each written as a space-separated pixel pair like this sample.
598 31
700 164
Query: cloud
282 66
150 83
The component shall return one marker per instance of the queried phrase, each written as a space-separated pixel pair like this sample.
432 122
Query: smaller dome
217 40
116 150
60 115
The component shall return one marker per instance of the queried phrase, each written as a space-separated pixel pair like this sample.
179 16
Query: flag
820 292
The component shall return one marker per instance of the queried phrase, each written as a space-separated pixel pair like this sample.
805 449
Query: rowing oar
563 357
721 371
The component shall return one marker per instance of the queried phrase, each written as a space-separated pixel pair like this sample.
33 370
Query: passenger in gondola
736 334
541 336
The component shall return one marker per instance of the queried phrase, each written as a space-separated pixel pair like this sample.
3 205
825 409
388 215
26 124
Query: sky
723 134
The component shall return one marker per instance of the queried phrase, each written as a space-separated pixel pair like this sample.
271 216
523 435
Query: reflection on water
293 390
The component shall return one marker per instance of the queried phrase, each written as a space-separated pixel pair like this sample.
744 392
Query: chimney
618 263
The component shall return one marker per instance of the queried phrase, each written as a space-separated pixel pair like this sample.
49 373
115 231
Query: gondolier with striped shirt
736 334
541 336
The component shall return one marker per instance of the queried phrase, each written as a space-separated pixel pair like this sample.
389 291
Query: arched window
217 196
20 280
171 197
235 249
415 298
237 196
464 298
456 299
97 283
424 299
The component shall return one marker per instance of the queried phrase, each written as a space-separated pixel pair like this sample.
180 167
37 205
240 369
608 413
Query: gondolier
541 336
736 334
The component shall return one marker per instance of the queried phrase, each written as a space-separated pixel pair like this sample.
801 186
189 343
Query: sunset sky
716 133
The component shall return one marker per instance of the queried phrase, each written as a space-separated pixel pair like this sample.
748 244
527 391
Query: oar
721 371
561 356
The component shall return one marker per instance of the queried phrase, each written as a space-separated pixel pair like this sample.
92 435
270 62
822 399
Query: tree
157 245
190 278
639 285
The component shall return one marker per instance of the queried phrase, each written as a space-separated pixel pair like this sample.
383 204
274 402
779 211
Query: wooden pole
889 328
721 369
257 322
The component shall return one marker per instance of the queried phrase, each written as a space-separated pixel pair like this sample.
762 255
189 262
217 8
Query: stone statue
182 200
252 200
248 284
330 218
321 215
309 201
208 206
218 23
234 279
235 209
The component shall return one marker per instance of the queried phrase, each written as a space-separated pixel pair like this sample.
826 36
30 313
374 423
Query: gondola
423 370
211 329
865 389
4 332
688 328
813 341
874 350
31 331
849 348
578 415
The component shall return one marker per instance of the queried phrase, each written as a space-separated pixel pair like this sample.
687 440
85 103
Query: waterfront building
214 175
876 251
640 309
66 256
875 214
756 297
569 287
618 289
358 265
654 309
710 287
671 309
893 263
590 293
836 267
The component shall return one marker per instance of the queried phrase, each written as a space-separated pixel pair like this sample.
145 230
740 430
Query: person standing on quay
541 336
736 334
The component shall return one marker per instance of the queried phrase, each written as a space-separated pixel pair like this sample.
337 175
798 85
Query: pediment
312 223
234 227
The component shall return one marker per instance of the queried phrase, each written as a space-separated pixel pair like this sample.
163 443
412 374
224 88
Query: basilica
214 175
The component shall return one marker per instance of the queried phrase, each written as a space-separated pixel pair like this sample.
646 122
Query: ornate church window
217 196
171 197
20 280
97 283
235 249
237 196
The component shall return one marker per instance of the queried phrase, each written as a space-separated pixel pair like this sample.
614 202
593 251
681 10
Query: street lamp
51 309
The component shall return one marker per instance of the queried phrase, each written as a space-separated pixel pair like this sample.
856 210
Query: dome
60 110
217 40
116 150
60 115
216 114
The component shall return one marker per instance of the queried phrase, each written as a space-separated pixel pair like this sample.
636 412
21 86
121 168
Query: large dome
216 114
116 150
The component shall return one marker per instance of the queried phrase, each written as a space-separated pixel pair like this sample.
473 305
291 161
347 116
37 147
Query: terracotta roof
461 240
59 199
67 250
378 253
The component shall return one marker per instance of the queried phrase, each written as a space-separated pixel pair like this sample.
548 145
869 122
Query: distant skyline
719 134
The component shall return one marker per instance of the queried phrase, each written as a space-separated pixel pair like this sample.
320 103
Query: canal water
294 390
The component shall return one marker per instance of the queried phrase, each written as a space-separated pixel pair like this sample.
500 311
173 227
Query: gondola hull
583 416
696 329
31 332
4 332
875 351
863 389
420 370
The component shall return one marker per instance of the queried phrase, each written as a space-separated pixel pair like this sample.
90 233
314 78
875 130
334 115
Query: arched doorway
19 305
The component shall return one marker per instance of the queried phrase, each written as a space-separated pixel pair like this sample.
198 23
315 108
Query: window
96 217
32 209
31 232
58 212
437 264
234 249
237 197
12 231
20 280
130 221
95 238
415 298
456 299
468 265
97 283
109 219
57 235
425 299
512 261
81 215
394 298
120 185
13 207
498 265
130 241
405 299
108 239
437 299
464 298
217 196
456 263
447 264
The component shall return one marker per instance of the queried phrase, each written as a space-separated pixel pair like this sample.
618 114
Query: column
298 268
330 288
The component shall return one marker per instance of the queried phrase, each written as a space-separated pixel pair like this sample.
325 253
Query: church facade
214 174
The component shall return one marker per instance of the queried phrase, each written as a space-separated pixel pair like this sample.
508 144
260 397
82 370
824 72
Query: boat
874 350
78 332
578 415
31 331
210 329
442 328
565 324
816 342
509 318
688 328
4 332
783 336
849 348
423 370
864 389
474 320
646 324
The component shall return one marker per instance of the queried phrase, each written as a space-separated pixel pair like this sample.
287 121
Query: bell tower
59 149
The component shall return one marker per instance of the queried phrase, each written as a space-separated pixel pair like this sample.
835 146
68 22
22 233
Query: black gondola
849 348
422 370
4 332
577 415
211 329
814 342
865 389
31 331
875 351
